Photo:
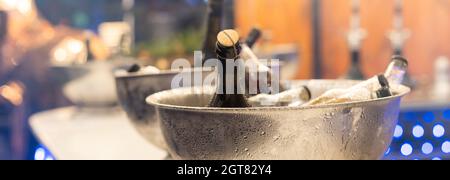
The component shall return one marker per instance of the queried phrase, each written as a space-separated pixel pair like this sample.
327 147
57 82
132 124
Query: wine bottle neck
385 90
253 37
229 69
224 53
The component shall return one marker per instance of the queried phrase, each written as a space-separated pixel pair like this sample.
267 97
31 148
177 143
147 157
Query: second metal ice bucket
354 131
132 89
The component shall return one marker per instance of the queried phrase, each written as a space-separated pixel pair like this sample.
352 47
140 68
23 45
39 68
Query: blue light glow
42 154
388 151
427 148
421 134
447 114
428 117
39 154
406 149
438 131
398 131
418 131
446 147
409 116
436 159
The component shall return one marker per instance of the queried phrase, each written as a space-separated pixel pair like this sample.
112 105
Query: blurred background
312 36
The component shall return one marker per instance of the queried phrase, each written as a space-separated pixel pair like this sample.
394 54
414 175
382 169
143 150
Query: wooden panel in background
429 21
334 27
289 21
375 19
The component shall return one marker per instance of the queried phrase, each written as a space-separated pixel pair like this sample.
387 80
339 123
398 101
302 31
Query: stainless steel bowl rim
162 73
153 101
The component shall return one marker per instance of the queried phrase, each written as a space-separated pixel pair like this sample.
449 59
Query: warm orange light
22 6
75 46
69 51
25 6
60 55
8 4
112 33
13 92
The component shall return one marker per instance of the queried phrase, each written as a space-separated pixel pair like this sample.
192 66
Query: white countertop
71 134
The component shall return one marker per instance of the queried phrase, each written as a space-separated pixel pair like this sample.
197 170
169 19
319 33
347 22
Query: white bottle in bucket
376 87
291 98
254 67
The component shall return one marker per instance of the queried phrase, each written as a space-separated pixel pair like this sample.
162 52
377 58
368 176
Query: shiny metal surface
91 84
353 131
132 91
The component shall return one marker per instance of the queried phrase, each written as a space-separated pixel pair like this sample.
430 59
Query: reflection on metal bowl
361 130
132 90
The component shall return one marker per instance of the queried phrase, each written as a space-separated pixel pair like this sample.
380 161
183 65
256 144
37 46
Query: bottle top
400 59
134 68
383 80
253 37
308 91
228 38
228 45
384 91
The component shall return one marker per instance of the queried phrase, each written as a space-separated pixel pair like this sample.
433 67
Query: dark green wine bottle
228 48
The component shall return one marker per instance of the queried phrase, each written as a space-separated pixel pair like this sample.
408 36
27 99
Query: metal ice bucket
90 84
132 90
349 131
